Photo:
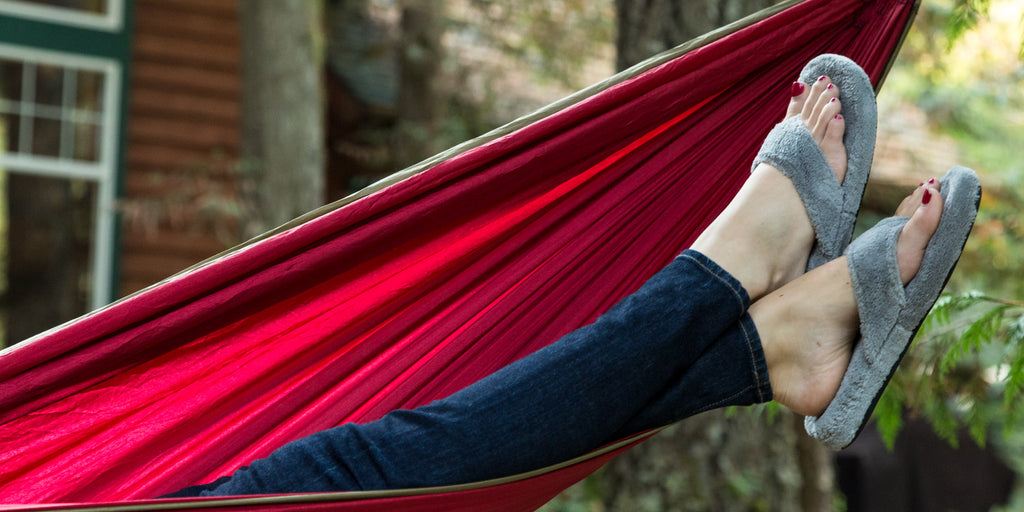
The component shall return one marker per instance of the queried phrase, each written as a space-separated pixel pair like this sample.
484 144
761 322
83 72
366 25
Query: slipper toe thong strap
880 294
961 195
861 115
791 149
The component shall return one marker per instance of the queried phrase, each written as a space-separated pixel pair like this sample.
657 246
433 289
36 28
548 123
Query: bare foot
808 327
764 237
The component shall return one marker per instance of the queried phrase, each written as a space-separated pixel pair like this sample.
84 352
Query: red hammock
415 289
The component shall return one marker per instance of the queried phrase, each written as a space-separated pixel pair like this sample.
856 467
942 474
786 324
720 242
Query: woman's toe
798 92
828 113
822 91
832 145
918 231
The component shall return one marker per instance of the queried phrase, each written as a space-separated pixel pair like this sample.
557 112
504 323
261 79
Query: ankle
730 249
771 317
807 329
762 251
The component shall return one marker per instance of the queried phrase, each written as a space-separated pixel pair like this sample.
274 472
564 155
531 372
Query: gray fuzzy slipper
790 148
890 314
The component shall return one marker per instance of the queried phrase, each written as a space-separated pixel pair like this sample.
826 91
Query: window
51 111
58 117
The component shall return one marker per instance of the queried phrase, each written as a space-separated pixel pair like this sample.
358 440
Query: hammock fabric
416 288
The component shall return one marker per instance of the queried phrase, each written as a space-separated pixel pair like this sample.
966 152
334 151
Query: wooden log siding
183 134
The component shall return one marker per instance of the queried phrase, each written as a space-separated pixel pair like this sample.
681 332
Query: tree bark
713 461
282 109
818 489
648 27
417 131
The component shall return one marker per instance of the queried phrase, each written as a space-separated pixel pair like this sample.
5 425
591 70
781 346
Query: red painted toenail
838 116
927 196
820 78
829 86
920 184
931 181
833 100
796 89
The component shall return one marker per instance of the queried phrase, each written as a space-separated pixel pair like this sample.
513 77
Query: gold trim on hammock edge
332 497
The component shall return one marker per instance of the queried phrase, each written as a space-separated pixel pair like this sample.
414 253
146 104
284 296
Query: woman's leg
527 416
764 236
558 403
681 344
806 329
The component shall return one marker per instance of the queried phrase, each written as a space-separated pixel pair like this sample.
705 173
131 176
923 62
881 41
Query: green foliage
770 411
966 370
958 65
964 16
962 65
556 36
889 413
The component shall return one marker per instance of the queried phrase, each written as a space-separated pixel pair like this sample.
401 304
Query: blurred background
139 137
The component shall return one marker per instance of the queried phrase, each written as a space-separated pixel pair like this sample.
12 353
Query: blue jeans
681 344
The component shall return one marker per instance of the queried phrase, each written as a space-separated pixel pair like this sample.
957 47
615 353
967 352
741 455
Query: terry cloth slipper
890 314
790 148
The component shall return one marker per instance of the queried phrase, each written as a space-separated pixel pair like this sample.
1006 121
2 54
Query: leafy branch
966 370
964 17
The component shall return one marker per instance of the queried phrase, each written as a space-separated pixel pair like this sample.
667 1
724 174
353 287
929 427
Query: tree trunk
282 109
648 27
386 103
713 461
417 132
818 489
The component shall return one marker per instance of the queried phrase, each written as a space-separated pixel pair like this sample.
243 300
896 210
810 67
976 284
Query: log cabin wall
182 138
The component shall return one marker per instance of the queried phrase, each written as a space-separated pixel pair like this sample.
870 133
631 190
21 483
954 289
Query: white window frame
111 21
103 172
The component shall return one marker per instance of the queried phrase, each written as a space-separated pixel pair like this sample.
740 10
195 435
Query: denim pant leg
681 344
717 379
